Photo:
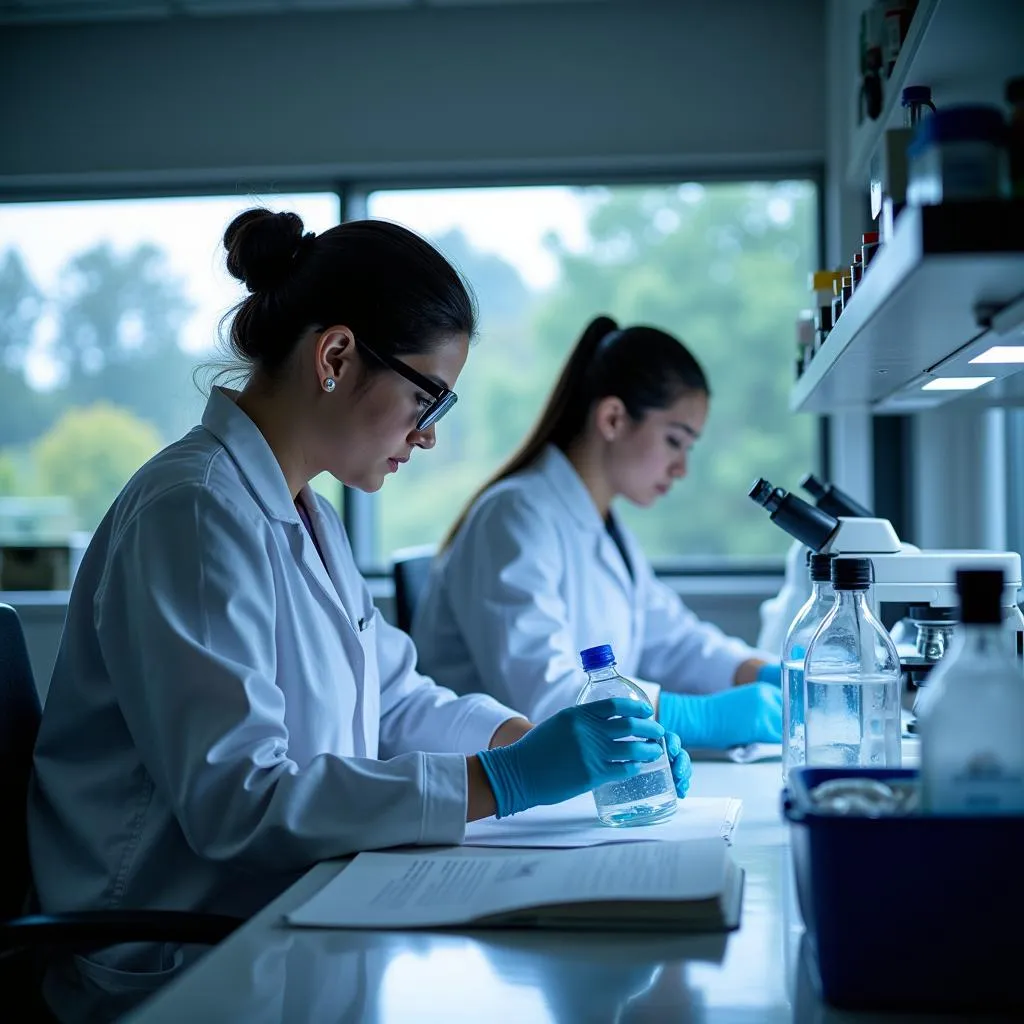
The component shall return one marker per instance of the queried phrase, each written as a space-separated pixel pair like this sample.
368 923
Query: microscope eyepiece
813 486
832 500
765 494
799 519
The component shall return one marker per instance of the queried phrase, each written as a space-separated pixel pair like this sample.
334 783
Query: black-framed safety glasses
443 399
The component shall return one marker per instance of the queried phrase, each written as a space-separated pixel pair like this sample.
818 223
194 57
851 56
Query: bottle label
981 786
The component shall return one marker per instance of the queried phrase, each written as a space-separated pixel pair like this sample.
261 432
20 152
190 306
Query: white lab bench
269 972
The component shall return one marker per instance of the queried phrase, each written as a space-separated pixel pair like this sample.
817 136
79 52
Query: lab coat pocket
117 981
369 695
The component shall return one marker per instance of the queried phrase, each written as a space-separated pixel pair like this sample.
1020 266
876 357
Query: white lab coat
533 578
224 710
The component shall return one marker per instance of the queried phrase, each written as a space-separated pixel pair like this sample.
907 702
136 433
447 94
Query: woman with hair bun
538 566
227 706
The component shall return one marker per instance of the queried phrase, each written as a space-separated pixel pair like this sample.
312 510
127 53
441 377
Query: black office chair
410 569
25 938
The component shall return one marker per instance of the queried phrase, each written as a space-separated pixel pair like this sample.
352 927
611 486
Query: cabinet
948 285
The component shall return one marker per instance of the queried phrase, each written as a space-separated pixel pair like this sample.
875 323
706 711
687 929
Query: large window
106 308
724 266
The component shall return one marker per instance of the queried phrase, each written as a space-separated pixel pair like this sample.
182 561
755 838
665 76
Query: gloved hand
770 672
680 761
573 752
744 714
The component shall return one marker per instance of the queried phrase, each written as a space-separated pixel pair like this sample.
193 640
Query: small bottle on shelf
821 286
846 291
804 340
959 153
868 248
856 269
837 298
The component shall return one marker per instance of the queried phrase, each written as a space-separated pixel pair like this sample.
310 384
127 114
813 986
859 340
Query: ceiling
29 12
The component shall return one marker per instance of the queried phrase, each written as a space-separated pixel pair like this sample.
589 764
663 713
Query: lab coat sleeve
417 714
680 651
186 623
503 575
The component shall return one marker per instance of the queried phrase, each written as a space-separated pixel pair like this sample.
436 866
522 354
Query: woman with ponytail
538 566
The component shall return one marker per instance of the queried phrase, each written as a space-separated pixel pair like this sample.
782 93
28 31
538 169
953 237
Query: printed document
682 886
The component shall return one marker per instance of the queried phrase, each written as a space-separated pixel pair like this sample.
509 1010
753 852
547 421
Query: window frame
363 523
359 509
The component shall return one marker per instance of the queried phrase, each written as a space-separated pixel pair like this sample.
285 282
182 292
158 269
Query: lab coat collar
253 456
566 483
560 475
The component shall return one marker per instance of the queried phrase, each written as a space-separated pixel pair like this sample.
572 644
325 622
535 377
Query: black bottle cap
981 595
852 573
821 568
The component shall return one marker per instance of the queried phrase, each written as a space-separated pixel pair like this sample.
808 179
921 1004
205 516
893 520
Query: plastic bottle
852 679
794 652
959 154
915 99
644 798
972 722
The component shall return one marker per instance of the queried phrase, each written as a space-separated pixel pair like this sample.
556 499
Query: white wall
639 86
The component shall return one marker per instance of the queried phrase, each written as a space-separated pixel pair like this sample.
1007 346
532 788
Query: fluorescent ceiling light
956 383
1001 354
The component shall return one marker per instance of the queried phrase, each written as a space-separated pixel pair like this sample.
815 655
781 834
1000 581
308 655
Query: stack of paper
574 823
671 886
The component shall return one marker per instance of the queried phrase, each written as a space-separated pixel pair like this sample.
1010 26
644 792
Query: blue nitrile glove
744 714
770 672
680 759
573 752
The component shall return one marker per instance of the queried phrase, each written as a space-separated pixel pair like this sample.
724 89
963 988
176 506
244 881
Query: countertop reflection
268 972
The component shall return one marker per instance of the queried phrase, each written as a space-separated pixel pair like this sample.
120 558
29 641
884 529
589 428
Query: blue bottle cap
597 657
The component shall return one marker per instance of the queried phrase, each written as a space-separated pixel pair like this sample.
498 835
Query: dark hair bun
262 247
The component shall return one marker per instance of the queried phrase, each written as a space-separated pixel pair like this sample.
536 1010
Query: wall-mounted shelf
965 50
927 294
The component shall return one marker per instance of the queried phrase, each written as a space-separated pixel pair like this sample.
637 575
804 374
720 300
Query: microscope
904 574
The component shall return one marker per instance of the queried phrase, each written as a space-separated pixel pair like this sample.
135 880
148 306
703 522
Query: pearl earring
329 384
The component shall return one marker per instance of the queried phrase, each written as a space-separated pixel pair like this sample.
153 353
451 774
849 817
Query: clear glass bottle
644 798
972 723
852 679
794 652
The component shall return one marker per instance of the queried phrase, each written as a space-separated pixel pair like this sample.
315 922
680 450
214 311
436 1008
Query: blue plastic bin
909 913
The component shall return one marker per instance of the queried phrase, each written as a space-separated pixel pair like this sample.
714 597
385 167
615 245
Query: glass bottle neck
822 591
981 640
854 600
605 672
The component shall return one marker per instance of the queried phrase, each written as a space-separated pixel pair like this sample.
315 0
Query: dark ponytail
644 367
